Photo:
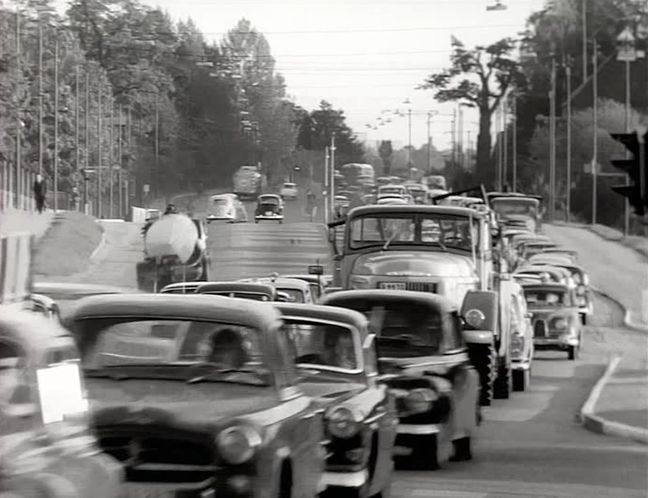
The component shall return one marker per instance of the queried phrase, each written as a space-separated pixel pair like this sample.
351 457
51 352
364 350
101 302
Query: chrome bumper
559 342
417 429
346 479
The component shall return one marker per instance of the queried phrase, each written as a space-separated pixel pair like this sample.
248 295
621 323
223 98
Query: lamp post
569 139
409 132
594 130
56 111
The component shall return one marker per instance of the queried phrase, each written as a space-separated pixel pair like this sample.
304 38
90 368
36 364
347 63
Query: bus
357 173
248 182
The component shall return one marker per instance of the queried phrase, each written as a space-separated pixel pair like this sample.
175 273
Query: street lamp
409 132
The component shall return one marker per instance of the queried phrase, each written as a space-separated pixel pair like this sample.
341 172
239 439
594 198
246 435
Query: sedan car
289 191
254 291
226 207
335 354
192 396
555 315
47 445
269 207
425 362
297 290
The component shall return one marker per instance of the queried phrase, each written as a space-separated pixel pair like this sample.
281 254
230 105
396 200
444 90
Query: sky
365 56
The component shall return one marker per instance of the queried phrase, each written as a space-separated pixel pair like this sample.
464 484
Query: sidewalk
12 221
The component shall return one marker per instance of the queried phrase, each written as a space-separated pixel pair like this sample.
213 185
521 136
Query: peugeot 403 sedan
193 395
335 355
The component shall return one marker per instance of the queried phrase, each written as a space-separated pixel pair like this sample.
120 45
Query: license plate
402 451
393 285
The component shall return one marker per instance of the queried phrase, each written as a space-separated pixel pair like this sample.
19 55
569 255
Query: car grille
160 456
422 286
540 328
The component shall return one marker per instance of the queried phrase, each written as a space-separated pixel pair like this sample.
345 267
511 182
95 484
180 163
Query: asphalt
618 405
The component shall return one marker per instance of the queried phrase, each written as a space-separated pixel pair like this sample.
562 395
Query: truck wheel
462 450
521 379
425 454
483 359
502 387
572 352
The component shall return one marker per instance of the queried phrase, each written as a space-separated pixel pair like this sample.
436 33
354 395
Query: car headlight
420 400
238 444
560 324
342 424
475 318
517 345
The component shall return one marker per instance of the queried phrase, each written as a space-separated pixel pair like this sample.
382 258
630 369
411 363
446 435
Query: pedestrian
40 189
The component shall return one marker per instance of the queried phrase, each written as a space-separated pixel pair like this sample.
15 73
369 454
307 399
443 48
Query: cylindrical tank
171 235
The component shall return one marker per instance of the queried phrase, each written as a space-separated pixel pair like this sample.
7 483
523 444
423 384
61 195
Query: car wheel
426 454
462 449
502 386
520 379
572 352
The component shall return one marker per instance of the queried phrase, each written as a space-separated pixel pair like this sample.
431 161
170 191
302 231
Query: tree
386 151
479 78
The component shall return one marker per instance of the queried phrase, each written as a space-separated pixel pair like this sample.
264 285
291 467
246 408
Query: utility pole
99 165
157 147
56 110
40 97
327 187
498 150
552 141
76 119
86 157
460 132
429 145
111 159
594 130
454 138
18 120
505 141
119 162
584 30
569 141
514 152
332 171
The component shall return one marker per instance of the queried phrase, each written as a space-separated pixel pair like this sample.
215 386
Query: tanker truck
175 250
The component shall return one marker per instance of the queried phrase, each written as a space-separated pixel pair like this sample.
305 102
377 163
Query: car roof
179 306
235 286
421 298
182 285
78 289
542 269
283 282
555 286
417 208
320 312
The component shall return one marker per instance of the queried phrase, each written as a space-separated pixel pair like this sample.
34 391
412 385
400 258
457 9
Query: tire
502 386
462 449
483 359
572 352
521 379
425 455
286 482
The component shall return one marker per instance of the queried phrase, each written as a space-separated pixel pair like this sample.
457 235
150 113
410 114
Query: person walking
40 189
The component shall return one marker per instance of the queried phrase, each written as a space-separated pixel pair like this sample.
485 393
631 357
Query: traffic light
635 167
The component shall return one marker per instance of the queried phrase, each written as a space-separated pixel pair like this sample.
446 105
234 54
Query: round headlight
475 318
341 423
420 400
560 324
517 344
237 444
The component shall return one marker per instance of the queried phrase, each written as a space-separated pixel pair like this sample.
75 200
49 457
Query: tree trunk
483 170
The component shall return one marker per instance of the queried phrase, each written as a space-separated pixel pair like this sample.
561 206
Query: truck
437 249
175 250
248 182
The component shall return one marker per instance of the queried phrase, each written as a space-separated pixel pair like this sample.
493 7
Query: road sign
637 191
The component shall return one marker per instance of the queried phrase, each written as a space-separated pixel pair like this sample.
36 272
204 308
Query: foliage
478 77
386 152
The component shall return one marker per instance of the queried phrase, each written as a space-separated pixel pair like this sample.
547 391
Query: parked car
521 340
48 448
193 396
317 284
335 355
226 207
424 360
269 207
556 321
289 191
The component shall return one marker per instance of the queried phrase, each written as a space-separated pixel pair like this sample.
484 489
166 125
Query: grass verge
66 247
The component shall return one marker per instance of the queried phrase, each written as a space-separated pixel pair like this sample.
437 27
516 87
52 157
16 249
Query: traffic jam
285 385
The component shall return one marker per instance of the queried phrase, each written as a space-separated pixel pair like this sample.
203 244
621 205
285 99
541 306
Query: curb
627 320
600 425
101 246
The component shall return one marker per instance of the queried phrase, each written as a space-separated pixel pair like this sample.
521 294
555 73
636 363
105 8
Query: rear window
289 185
547 298
322 345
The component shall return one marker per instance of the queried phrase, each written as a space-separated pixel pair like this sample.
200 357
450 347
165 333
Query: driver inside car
339 349
225 348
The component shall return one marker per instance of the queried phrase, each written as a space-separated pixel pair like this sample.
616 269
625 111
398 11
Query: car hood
415 264
327 392
165 402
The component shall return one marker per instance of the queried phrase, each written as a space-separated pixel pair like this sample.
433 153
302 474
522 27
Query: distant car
336 357
341 204
269 207
152 215
254 291
289 191
317 285
298 290
226 207
425 362
556 321
391 189
193 396
48 446
391 199
368 199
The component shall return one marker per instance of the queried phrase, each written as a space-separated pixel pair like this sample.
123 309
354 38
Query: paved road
245 250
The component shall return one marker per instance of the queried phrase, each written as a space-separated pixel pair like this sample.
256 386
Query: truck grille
422 286
540 328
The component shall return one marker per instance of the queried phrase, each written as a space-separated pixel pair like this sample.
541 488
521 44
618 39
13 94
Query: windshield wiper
213 375
389 241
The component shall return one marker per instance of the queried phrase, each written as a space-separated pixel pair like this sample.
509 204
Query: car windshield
254 296
541 298
114 347
322 345
294 295
403 328
527 207
414 229
272 201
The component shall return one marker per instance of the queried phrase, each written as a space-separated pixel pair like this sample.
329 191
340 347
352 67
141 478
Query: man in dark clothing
39 192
